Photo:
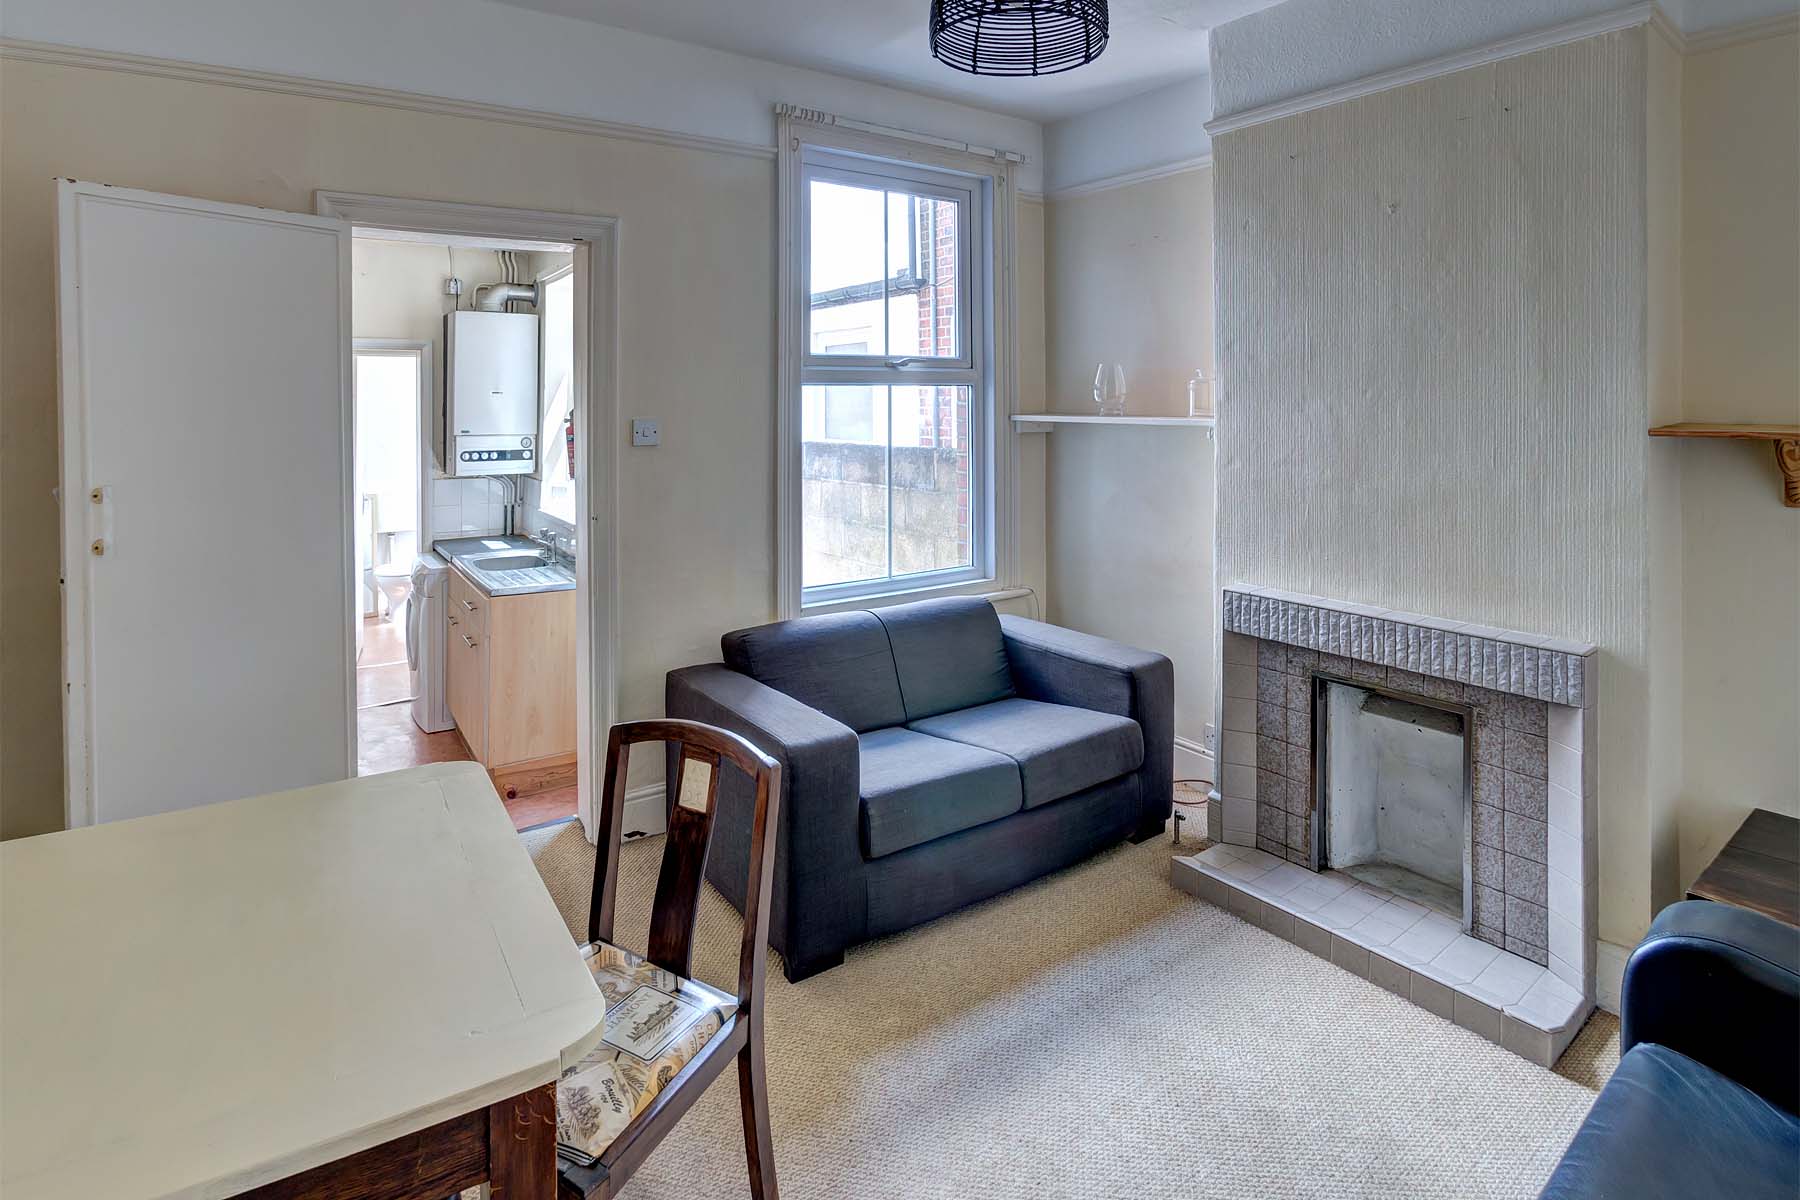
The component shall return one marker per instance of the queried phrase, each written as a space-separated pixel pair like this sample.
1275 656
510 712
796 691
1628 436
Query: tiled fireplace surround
1523 974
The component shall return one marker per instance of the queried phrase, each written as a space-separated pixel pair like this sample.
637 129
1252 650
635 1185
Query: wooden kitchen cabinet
512 683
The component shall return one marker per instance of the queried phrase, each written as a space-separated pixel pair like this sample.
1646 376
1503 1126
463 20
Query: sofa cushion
948 653
916 789
1664 1125
1060 750
839 663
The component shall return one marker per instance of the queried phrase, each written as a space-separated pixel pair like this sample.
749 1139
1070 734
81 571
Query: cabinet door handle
466 605
468 641
452 618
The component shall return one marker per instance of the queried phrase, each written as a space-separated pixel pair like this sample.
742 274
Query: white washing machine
428 643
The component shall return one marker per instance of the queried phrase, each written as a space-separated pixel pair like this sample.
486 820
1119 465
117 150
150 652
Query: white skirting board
646 810
1609 975
1192 761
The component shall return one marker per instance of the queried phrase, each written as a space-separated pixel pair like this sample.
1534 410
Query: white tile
1549 1004
1284 879
1397 909
1346 910
446 521
1565 939
1242 837
1563 896
1238 781
1565 810
1240 649
1565 725
1462 960
1216 855
1350 956
1425 940
1240 680
1477 1017
1565 854
1238 714
1237 748
1240 814
1565 767
1259 858
1375 930
1566 971
1505 980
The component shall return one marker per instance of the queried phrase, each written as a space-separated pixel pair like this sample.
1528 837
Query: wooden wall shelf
1044 422
1785 437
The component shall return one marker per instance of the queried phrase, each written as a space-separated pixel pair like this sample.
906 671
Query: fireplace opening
1394 793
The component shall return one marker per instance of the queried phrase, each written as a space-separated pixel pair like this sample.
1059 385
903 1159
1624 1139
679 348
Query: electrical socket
1211 737
646 433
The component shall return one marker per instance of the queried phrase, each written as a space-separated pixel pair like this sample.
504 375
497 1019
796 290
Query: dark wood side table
1758 869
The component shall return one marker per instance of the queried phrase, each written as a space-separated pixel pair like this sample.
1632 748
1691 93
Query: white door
206 442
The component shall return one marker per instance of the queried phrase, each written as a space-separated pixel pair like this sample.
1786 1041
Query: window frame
979 188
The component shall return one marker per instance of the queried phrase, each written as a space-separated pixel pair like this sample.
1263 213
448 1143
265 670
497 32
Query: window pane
931 490
855 526
843 484
922 320
884 273
847 284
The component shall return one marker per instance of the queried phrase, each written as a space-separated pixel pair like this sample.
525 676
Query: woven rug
1098 1033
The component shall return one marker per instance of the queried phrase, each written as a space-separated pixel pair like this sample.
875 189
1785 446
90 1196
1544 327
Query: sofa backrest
948 654
838 663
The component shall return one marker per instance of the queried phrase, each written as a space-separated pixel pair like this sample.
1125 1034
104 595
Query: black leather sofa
1703 1102
932 754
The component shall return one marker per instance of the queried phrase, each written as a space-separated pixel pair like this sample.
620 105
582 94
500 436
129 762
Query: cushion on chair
916 789
1060 750
656 1022
948 653
1664 1125
838 663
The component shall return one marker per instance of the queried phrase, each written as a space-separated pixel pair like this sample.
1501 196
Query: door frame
86 507
596 242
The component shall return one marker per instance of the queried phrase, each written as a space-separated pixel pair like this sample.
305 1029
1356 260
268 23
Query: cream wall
1130 509
1433 341
1740 547
696 335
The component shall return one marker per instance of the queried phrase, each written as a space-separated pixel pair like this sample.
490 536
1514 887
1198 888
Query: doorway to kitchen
487 634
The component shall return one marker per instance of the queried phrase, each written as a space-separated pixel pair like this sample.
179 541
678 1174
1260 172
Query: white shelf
1044 422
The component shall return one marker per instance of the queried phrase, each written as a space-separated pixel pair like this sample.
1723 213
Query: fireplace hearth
1412 798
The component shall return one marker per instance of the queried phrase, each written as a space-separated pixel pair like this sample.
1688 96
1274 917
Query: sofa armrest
1078 669
820 899
1721 985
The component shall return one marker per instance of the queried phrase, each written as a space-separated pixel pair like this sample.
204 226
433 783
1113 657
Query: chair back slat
703 753
677 903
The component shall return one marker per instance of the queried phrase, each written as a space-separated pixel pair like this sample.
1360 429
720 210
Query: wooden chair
669 1087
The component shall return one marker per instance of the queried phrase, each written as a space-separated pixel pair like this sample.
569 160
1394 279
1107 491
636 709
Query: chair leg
753 1092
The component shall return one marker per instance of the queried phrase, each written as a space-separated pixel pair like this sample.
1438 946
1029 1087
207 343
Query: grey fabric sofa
932 754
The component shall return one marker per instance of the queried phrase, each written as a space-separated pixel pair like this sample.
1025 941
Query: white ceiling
1153 42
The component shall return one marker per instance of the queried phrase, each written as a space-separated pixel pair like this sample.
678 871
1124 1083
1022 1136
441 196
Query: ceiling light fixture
1017 37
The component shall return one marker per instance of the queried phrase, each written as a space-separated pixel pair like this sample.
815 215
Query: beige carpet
1098 1033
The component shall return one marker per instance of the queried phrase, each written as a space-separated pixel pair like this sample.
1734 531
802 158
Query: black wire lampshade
1017 37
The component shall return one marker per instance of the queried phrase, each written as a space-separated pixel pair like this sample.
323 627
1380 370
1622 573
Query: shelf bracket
1787 457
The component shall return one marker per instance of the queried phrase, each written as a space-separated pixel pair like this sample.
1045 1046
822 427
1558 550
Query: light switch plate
646 433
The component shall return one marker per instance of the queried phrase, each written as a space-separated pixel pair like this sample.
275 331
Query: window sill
902 595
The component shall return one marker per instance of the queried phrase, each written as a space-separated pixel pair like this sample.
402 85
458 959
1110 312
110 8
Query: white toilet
395 581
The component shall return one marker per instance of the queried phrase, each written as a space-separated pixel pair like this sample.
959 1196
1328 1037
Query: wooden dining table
360 989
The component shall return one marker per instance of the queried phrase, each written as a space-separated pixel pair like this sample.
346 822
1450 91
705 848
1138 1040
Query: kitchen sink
509 562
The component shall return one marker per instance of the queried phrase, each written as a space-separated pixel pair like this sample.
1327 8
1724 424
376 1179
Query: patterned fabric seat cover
656 1022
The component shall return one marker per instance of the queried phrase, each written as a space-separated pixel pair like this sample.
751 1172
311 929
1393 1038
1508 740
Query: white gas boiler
490 393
